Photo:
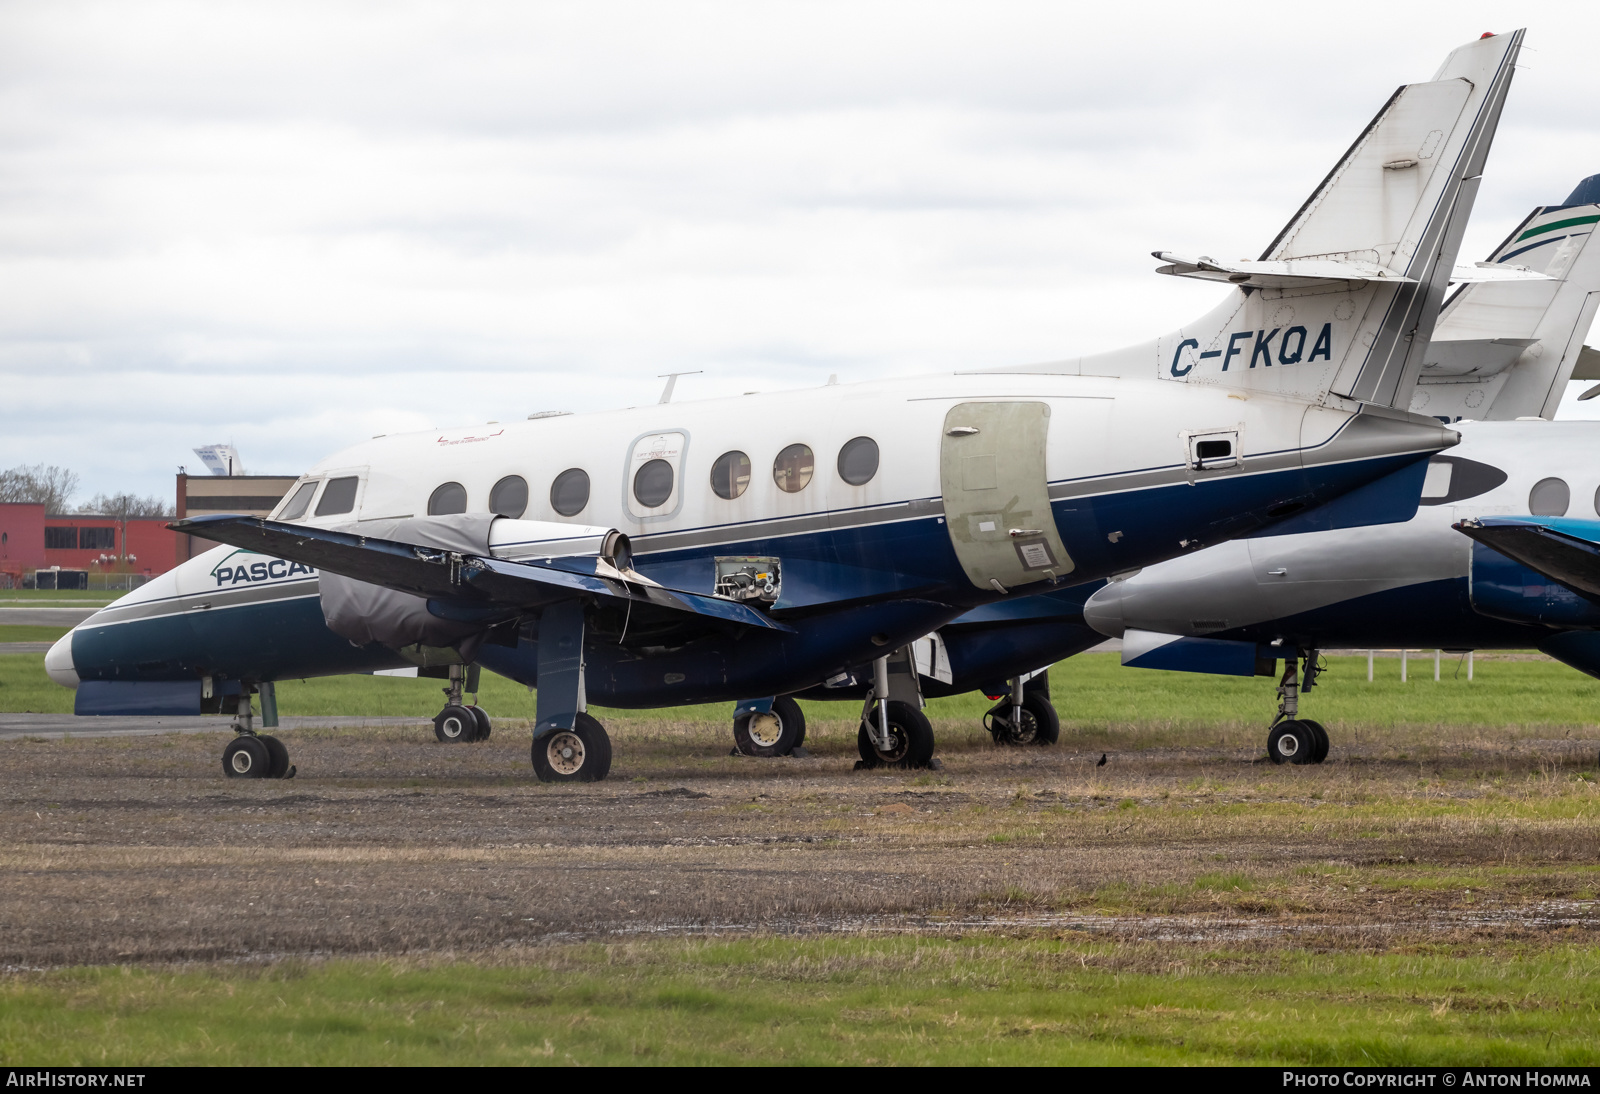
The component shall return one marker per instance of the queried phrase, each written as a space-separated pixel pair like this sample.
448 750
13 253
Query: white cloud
292 226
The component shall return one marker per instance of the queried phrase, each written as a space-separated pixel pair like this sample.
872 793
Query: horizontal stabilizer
1310 272
487 588
1567 551
1480 273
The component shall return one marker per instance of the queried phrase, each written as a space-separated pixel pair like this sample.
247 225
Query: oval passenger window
297 504
570 492
1549 498
449 498
858 460
339 496
509 498
793 468
730 475
652 483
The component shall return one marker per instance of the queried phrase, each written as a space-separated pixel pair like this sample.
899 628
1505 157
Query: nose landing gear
253 755
1292 739
458 723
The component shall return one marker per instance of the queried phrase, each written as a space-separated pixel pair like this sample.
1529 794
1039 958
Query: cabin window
509 498
1549 498
339 496
299 502
652 483
730 475
858 460
570 492
1597 502
793 468
450 497
1436 483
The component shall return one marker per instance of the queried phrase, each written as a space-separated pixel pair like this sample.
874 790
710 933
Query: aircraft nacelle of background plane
763 545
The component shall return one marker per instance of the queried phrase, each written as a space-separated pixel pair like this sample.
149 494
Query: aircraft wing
1565 551
469 580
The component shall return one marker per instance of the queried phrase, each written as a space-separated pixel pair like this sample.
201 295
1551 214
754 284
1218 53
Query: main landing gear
894 732
458 723
569 746
778 731
253 755
1292 739
1025 717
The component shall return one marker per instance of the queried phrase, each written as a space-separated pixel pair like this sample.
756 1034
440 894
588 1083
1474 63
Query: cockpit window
339 496
296 508
450 497
1450 479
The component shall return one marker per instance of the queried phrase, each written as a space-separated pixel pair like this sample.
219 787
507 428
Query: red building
21 539
84 541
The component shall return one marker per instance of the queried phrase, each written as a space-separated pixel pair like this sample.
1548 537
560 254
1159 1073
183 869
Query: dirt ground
136 849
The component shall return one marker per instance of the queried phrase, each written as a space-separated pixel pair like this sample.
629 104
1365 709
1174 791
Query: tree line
53 487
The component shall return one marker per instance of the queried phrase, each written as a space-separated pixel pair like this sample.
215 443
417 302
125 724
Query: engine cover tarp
365 613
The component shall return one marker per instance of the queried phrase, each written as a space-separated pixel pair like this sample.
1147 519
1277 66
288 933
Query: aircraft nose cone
1103 611
58 662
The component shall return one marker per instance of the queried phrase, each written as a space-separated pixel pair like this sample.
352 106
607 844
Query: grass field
49 598
13 632
1428 896
893 1000
1093 694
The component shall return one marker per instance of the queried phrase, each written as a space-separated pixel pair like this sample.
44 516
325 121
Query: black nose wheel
581 754
1297 742
456 724
910 739
249 756
776 733
481 716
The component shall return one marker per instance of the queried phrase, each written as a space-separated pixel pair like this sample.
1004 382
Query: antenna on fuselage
672 382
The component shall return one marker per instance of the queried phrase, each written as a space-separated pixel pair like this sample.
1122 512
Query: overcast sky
295 226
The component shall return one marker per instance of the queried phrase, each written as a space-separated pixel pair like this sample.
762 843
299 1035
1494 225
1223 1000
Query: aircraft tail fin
1506 349
1344 300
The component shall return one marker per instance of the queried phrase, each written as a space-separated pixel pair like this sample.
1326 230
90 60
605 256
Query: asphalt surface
54 726
45 617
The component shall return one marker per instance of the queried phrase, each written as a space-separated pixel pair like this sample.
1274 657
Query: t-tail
1510 339
1340 307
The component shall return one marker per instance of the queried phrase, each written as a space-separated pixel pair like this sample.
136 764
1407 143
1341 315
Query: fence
92 581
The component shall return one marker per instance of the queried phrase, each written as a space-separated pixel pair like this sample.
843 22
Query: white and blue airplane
687 553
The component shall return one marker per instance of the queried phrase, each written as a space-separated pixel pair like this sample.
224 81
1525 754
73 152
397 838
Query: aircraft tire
455 725
581 754
1040 723
277 757
1319 751
481 716
776 734
913 735
1291 742
246 758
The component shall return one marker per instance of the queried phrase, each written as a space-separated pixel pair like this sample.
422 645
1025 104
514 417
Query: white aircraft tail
1506 349
1344 301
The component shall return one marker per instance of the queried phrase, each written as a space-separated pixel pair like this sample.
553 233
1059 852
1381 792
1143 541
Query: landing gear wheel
481 716
581 754
1319 751
911 737
1291 742
1039 723
277 758
775 734
455 725
246 758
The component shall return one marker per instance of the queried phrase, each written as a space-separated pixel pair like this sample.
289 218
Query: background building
204 495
